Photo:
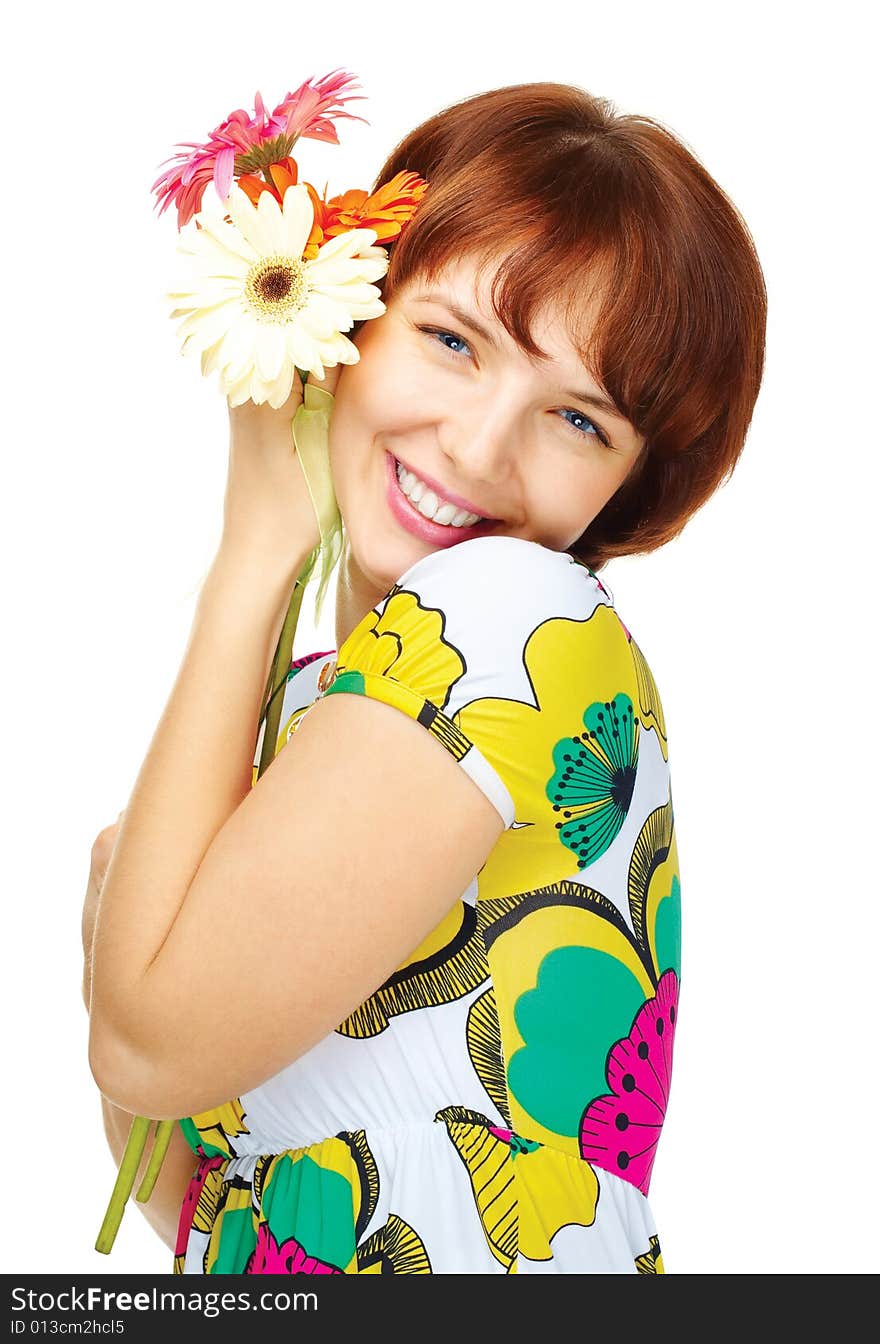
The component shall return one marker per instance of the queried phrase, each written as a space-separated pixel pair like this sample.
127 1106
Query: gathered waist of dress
452 1118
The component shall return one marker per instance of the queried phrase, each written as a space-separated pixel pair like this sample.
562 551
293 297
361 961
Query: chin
381 555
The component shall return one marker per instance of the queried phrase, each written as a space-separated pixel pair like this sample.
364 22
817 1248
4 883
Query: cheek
562 485
564 495
595 476
376 403
360 425
352 419
365 391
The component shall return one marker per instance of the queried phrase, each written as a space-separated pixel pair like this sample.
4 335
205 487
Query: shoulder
493 646
485 618
496 593
503 568
487 596
490 593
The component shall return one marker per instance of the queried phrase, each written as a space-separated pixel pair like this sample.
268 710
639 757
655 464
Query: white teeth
428 504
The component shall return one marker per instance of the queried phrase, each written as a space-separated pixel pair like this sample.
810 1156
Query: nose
479 445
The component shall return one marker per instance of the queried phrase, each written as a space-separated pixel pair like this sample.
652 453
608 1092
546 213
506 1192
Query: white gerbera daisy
256 310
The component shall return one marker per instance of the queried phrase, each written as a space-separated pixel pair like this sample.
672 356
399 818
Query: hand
268 513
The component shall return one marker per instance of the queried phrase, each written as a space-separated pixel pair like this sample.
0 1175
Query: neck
355 595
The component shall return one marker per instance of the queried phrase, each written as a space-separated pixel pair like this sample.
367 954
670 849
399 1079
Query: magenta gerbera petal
249 144
310 110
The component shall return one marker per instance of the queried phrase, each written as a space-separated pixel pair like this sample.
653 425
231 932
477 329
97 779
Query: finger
249 412
330 379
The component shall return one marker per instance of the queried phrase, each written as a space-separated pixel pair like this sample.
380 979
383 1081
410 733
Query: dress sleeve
450 646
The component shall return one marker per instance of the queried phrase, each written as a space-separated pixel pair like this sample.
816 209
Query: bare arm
162 1209
215 881
197 772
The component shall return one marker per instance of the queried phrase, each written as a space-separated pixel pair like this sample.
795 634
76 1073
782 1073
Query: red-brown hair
573 201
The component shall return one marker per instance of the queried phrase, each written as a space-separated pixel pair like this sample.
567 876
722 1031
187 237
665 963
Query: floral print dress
496 1105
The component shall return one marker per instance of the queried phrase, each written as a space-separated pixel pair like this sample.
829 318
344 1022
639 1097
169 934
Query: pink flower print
297 664
191 1199
288 1258
620 1132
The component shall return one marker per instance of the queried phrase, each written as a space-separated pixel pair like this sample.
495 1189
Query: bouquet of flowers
270 284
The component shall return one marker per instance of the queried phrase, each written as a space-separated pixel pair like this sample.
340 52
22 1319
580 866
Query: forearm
88 933
196 772
162 1209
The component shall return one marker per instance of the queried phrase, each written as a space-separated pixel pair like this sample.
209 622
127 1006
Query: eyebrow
468 320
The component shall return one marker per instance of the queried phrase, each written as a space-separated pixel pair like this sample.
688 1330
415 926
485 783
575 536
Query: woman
415 991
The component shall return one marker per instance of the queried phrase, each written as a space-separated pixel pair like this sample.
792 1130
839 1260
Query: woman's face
472 414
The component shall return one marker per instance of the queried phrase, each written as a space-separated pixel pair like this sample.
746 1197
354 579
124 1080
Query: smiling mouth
468 515
410 516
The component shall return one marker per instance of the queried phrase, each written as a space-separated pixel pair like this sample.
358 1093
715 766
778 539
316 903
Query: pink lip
443 493
435 534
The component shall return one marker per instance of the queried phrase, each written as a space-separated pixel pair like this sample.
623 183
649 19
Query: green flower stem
274 694
161 1140
125 1178
278 678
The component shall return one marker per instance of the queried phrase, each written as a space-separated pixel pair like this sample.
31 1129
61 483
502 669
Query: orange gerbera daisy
284 174
387 210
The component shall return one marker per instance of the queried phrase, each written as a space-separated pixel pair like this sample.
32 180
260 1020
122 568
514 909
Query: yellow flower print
218 1127
486 1156
553 1191
395 1248
524 1192
649 704
405 643
652 1260
569 760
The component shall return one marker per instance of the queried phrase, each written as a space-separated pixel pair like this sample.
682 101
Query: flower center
276 287
262 156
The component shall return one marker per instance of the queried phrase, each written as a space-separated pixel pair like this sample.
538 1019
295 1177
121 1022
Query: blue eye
596 431
436 331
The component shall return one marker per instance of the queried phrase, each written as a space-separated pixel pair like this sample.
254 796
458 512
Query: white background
758 621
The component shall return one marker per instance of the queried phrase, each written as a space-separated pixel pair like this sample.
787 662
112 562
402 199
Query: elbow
130 1080
111 1066
128 1060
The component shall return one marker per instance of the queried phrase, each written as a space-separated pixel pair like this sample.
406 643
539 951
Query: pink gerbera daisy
249 144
